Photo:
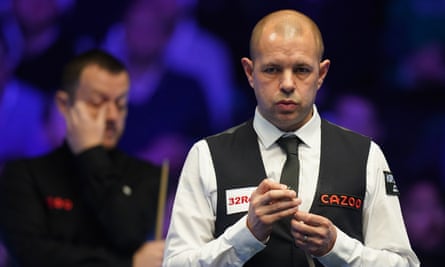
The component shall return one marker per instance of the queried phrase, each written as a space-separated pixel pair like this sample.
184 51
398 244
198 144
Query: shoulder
231 132
332 128
49 159
28 172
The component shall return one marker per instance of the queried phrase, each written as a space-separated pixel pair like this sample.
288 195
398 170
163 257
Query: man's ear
248 69
62 101
324 68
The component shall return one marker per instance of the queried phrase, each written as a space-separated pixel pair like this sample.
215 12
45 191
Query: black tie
291 168
289 176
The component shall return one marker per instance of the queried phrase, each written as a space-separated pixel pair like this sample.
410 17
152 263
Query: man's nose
112 111
287 83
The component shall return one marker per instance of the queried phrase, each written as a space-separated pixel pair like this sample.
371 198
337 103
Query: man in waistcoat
233 209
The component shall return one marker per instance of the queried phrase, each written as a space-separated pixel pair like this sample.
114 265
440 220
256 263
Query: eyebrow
102 95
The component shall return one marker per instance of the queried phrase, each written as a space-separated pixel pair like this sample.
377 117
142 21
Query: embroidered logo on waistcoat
341 200
59 203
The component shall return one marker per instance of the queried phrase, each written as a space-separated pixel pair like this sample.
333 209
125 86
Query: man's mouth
286 105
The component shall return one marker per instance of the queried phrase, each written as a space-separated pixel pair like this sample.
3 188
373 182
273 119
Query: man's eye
121 106
95 104
271 70
302 70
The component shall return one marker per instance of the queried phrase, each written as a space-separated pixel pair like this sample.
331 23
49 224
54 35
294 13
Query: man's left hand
313 233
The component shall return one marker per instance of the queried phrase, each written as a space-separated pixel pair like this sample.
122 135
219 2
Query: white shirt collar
268 134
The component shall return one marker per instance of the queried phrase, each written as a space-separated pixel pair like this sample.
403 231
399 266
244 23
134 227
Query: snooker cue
161 200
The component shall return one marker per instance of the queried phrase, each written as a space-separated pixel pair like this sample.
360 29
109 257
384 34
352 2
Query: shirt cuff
342 251
243 241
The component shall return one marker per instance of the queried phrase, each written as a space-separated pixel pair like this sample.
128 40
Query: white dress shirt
190 240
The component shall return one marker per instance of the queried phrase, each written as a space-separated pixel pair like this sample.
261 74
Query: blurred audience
40 45
88 21
168 109
22 111
197 52
424 68
190 50
358 113
423 207
413 42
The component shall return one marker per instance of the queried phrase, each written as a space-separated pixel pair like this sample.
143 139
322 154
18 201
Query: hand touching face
97 114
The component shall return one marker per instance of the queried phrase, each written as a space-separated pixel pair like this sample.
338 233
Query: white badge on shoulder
237 200
390 183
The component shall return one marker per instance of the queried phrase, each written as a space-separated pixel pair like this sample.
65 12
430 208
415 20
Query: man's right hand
270 202
149 254
83 129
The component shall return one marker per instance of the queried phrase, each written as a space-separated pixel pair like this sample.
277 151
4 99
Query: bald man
233 209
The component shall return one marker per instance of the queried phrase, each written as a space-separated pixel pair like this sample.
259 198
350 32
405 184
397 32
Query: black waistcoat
339 195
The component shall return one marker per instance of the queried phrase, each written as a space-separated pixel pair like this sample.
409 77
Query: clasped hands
272 201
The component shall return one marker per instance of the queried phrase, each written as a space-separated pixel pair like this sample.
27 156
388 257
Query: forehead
286 28
287 46
94 79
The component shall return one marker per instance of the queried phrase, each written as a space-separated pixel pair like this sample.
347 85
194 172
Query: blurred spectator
197 52
88 21
358 113
40 46
22 110
167 109
424 68
412 36
190 50
85 203
423 207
